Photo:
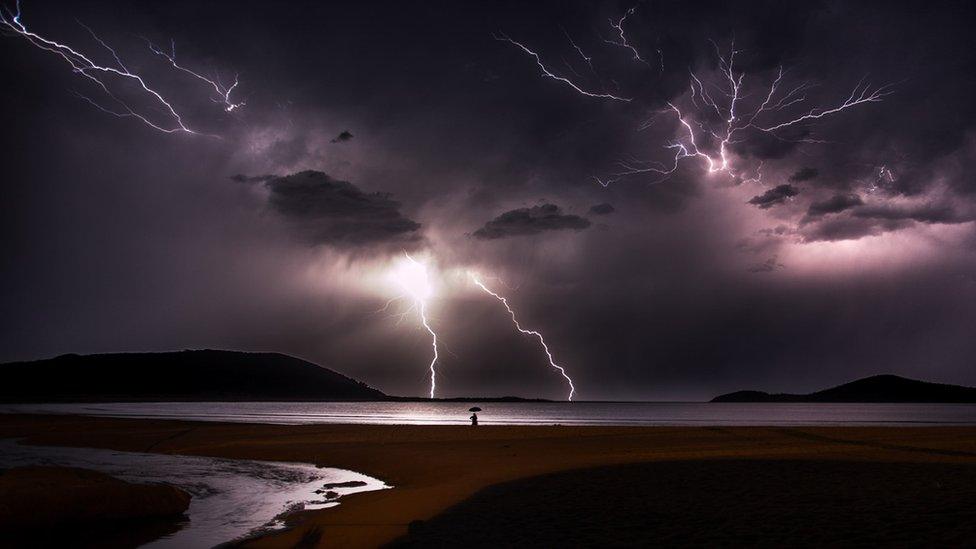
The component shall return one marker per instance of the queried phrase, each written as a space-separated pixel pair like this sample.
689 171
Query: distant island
190 376
881 388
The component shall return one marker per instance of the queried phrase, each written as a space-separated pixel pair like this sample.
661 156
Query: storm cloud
851 228
241 178
767 266
804 174
774 196
529 221
453 128
923 213
337 213
834 204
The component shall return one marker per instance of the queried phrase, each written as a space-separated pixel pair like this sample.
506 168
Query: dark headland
180 376
191 376
881 388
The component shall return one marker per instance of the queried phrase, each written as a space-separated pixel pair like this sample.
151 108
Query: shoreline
432 468
657 414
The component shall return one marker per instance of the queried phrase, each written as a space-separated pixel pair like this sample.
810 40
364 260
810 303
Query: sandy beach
38 505
718 503
433 468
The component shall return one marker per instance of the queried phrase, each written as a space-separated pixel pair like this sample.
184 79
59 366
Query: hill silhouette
881 388
176 376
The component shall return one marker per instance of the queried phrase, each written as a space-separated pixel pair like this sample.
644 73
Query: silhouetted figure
474 419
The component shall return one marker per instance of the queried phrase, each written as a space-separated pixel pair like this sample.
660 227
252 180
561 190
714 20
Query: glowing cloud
412 277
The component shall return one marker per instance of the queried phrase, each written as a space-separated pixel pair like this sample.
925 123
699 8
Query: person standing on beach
474 419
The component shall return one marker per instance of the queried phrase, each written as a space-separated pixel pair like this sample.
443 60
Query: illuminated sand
435 467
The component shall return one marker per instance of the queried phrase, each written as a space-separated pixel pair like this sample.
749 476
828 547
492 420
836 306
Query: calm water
231 498
526 413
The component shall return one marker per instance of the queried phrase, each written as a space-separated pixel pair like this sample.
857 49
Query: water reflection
526 413
231 498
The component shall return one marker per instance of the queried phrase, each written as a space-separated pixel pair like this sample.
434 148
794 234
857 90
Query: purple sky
370 130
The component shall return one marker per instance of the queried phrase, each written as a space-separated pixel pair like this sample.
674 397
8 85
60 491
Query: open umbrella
474 409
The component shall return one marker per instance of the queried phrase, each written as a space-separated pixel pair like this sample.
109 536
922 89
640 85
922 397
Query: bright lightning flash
412 277
102 77
720 110
477 281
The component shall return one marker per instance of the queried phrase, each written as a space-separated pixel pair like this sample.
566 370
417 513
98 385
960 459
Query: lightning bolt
433 336
622 41
99 75
414 281
223 92
724 99
737 121
881 176
586 58
549 74
542 341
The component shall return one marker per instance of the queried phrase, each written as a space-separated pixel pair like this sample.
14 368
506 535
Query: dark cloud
241 178
804 174
778 230
344 136
925 213
850 228
834 204
767 146
774 196
337 213
759 245
767 266
602 209
528 221
874 219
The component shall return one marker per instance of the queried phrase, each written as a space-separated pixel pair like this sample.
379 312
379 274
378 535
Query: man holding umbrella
474 415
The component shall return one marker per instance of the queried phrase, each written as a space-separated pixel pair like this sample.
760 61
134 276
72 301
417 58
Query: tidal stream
231 498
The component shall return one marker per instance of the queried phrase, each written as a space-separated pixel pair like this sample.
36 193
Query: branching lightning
101 75
586 58
411 275
622 41
223 92
550 74
736 120
720 111
542 341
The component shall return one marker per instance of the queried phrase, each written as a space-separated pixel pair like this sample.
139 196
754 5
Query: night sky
839 246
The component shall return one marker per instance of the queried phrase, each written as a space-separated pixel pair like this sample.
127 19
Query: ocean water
526 413
230 498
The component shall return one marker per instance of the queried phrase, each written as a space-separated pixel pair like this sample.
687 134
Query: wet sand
433 468
41 505
781 503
